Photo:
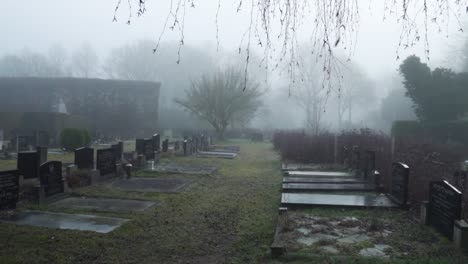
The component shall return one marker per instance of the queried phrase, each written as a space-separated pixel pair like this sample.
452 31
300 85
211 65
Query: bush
72 138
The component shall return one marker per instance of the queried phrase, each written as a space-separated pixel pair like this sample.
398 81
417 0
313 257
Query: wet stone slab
323 180
299 167
103 204
183 169
66 221
346 200
305 187
151 184
210 154
331 174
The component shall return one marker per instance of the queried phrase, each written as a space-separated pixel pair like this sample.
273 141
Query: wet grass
227 217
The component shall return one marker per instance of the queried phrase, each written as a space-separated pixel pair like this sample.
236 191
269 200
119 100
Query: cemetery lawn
228 217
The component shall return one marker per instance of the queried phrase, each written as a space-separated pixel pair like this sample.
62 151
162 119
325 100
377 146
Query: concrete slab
323 180
66 221
310 187
183 169
318 174
210 154
151 184
299 167
103 204
306 199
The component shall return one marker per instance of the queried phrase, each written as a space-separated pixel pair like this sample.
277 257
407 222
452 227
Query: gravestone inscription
106 161
28 164
445 204
399 184
84 158
50 175
9 189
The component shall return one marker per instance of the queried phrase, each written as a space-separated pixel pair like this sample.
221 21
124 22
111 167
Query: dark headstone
9 189
84 158
50 174
156 142
148 149
184 146
399 185
118 148
140 146
445 204
106 161
356 159
369 166
165 145
28 164
176 146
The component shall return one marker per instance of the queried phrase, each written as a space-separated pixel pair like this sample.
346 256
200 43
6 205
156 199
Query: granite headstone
445 205
9 189
106 161
50 175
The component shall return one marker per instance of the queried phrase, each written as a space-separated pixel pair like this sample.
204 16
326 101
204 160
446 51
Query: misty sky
39 24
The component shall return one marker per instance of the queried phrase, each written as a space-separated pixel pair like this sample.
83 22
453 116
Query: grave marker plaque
9 189
84 158
28 164
445 203
399 185
106 161
51 177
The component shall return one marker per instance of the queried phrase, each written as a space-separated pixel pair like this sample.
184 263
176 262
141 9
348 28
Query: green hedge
72 138
456 131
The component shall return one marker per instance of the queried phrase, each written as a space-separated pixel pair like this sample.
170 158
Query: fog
212 39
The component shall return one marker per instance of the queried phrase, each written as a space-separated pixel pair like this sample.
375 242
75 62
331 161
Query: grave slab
66 221
323 180
318 174
299 167
210 154
306 199
309 187
183 169
151 184
103 204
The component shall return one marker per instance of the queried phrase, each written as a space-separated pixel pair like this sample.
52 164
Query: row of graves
52 184
357 184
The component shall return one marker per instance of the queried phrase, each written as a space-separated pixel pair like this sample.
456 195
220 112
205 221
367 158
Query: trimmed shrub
72 138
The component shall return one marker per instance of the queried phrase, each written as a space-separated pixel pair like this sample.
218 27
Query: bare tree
275 24
353 89
28 64
309 92
85 62
221 97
